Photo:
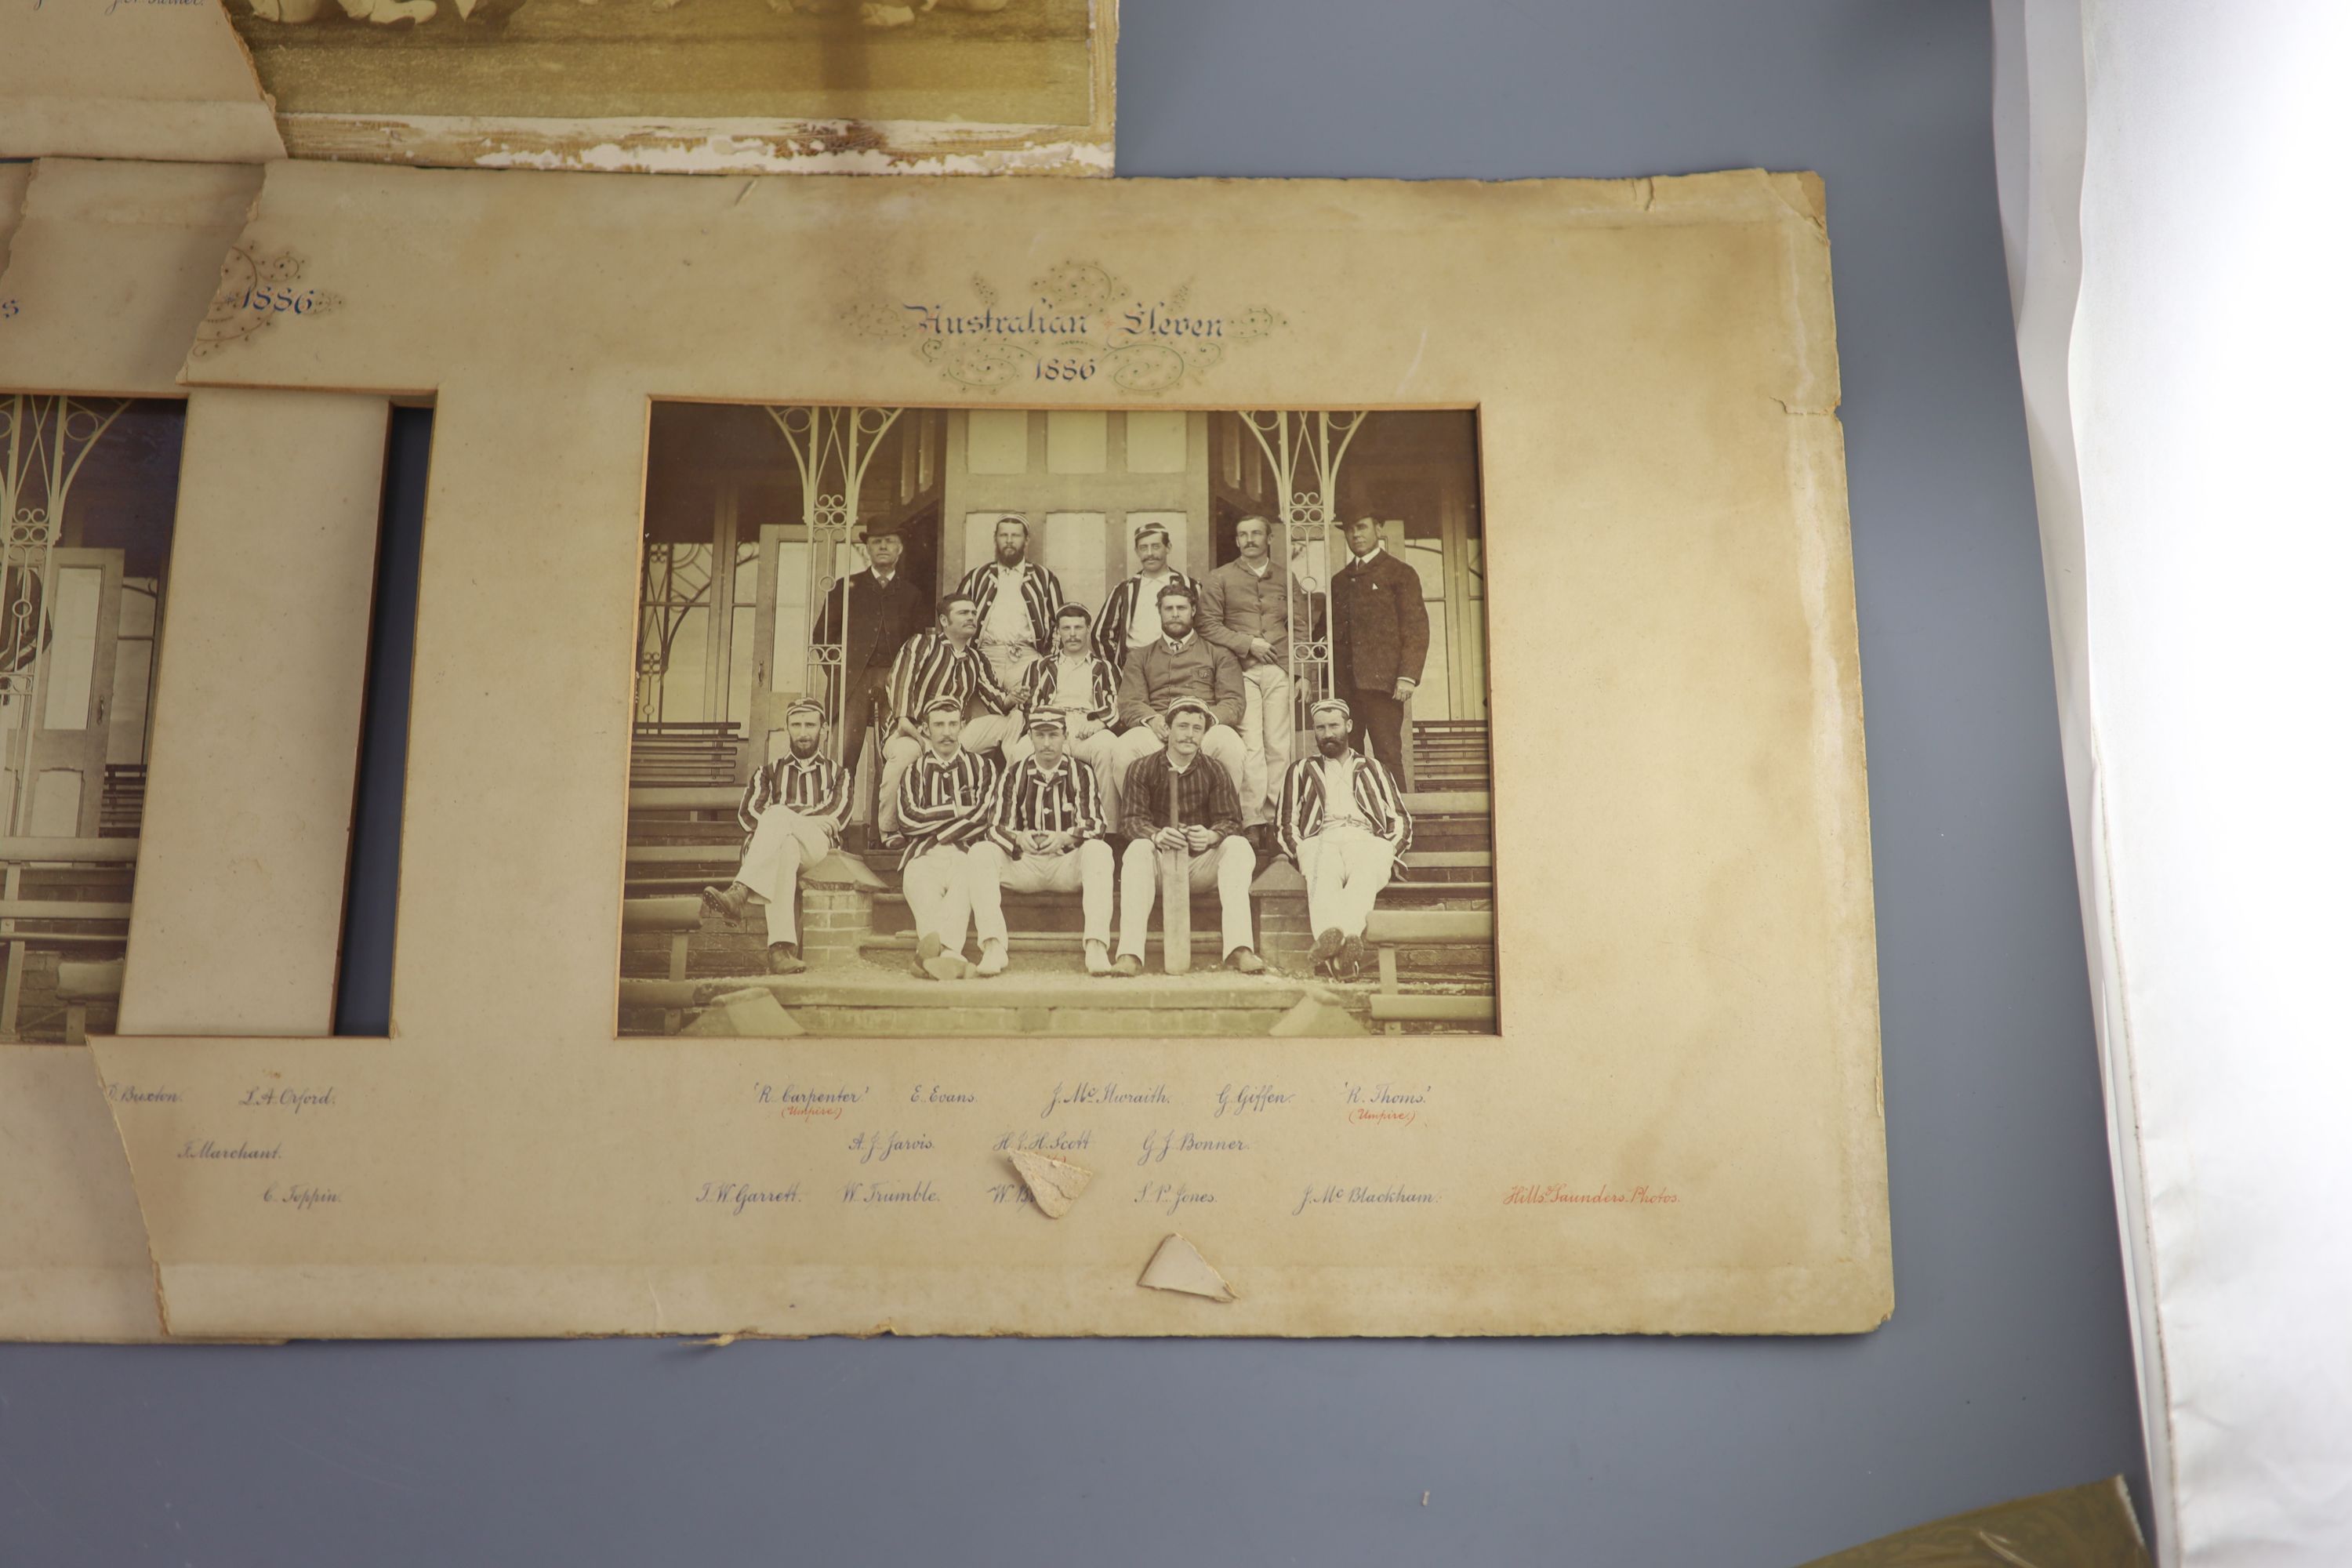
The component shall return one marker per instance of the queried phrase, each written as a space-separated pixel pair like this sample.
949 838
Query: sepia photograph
1082 723
88 488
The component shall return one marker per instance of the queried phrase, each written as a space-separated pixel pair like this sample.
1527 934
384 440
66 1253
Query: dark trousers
869 694
1379 728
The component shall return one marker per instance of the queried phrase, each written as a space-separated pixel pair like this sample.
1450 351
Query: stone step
1029 1001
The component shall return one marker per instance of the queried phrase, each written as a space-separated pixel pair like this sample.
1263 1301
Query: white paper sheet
2172 169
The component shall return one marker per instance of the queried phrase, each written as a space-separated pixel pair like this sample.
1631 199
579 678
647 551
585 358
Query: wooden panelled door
59 746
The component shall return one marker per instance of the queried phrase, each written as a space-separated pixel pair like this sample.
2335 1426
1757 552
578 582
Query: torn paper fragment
1053 1182
1179 1266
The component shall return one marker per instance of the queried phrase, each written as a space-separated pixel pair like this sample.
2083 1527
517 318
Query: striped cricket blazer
1119 610
930 666
817 789
942 803
1042 688
1376 801
1028 799
1041 591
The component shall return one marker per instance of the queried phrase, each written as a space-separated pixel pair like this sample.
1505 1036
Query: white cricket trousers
1085 870
1346 866
782 843
1230 866
939 893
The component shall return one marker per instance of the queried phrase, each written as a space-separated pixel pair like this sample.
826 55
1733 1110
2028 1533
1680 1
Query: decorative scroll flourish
1079 325
1304 452
255 291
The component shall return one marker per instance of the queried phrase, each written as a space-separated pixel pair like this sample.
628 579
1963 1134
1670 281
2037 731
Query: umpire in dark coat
1379 640
886 609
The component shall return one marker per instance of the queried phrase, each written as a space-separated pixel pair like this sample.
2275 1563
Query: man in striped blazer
1130 615
942 803
1016 600
1084 691
1343 823
1043 832
942 662
793 810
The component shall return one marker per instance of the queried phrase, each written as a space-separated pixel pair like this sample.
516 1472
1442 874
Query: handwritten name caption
893 1193
1171 1197
798 1103
1383 1104
301 1196
1604 1196
1104 1095
1158 1146
872 1147
270 1096
1394 1195
735 1197
1250 1099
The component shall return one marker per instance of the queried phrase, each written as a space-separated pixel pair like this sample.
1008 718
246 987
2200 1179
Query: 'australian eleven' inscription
1078 325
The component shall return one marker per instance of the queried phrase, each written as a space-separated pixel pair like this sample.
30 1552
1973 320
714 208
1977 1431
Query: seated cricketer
944 662
1343 823
1043 832
793 810
1081 687
943 796
1179 662
1174 799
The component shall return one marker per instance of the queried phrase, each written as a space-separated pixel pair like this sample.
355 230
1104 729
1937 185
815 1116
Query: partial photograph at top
854 86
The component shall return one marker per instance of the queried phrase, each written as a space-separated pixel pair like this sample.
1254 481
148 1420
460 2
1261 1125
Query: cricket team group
1027 738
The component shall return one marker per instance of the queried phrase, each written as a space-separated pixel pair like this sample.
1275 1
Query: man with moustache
944 662
793 810
1179 662
1084 691
1129 617
1175 800
942 801
1017 600
1247 607
1379 640
1343 823
1043 832
881 608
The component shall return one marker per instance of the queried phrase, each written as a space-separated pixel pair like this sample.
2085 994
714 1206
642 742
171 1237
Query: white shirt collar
1174 645
1380 547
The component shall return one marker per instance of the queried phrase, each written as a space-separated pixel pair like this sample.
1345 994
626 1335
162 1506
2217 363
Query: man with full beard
1343 823
1016 600
793 810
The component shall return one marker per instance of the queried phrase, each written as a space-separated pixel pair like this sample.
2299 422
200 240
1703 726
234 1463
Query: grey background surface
2005 1369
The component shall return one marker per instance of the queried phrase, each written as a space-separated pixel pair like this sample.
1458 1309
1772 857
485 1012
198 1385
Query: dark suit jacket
1380 627
880 619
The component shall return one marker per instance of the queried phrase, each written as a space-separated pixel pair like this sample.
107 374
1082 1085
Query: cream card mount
1667 1118
109 274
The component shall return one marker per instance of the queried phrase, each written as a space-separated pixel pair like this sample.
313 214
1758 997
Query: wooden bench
31 867
679 918
1449 754
82 982
684 753
1392 929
